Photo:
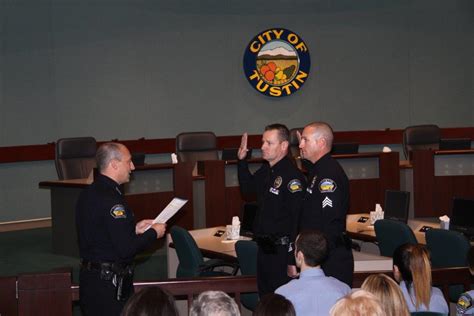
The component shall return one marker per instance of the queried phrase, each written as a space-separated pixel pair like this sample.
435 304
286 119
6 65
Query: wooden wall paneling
183 188
8 302
389 173
216 212
45 294
423 182
365 193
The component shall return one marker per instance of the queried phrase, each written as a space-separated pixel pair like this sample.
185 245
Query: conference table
365 232
214 246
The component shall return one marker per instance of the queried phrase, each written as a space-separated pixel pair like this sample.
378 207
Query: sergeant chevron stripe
327 202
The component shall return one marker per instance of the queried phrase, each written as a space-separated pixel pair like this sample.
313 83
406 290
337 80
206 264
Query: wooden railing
53 293
167 145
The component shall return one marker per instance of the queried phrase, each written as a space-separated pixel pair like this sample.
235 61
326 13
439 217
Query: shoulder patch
295 186
118 211
327 186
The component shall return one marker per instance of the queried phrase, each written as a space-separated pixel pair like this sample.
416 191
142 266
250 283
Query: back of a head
151 301
323 130
274 305
413 262
313 245
214 303
106 152
388 292
358 303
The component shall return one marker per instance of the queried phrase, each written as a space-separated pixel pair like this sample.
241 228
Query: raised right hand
243 147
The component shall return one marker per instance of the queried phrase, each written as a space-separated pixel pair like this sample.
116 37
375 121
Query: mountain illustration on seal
277 62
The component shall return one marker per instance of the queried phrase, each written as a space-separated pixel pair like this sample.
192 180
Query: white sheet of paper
172 208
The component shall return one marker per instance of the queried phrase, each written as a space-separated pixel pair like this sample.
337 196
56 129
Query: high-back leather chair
75 157
420 137
196 146
391 234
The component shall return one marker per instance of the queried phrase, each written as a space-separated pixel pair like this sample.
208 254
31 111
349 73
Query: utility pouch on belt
123 283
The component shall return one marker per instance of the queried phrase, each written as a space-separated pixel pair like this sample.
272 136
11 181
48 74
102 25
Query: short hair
314 246
283 131
388 292
107 152
214 303
273 304
413 262
357 303
151 301
323 130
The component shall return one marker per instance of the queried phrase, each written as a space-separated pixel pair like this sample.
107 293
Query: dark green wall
149 68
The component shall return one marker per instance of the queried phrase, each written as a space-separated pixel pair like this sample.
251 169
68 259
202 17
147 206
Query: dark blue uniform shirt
106 225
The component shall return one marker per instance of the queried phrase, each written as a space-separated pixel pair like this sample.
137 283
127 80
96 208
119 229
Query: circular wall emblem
277 62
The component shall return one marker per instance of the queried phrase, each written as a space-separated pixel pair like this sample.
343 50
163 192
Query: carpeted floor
30 251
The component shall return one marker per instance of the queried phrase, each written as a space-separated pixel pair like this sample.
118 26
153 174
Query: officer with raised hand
326 202
108 237
279 187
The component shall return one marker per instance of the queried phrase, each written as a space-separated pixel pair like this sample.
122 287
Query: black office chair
75 157
420 137
448 248
390 234
191 261
246 251
344 148
196 146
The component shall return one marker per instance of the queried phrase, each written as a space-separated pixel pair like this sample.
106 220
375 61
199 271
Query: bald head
322 130
316 141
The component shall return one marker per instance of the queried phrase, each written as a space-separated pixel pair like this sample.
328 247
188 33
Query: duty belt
99 266
277 241
120 274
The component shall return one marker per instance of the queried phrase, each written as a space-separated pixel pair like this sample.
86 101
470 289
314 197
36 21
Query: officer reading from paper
279 186
326 202
108 236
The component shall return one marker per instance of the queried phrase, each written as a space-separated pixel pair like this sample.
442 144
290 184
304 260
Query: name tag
274 191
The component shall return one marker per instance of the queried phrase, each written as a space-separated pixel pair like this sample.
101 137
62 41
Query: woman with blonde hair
389 294
412 269
357 303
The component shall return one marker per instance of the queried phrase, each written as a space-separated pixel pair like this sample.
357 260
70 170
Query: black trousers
272 270
97 297
340 265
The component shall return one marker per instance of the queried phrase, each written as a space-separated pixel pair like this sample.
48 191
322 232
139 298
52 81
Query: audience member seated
465 305
214 303
274 305
412 269
313 293
151 301
358 303
389 294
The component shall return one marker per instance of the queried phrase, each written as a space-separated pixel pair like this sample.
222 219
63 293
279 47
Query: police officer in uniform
326 202
108 236
279 186
465 304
